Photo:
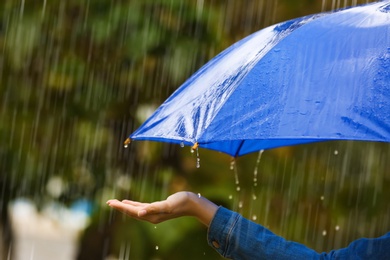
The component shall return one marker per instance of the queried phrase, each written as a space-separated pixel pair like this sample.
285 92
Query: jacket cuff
220 230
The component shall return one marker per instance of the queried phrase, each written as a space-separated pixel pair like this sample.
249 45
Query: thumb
142 213
153 208
148 210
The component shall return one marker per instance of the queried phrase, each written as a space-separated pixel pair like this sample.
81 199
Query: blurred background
77 77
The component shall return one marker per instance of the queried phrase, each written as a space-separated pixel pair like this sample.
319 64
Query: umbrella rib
239 149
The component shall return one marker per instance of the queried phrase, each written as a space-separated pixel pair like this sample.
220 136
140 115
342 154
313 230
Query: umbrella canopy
315 78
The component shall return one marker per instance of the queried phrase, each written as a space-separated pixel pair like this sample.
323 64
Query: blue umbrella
316 78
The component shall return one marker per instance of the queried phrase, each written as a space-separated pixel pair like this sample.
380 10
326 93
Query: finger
125 208
134 203
110 201
158 207
142 213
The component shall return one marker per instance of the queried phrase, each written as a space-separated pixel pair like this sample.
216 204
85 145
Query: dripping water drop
197 158
255 172
232 163
236 179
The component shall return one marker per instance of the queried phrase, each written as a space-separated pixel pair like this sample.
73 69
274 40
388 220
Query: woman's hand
177 205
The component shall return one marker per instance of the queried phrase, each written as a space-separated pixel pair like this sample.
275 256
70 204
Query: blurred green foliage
76 77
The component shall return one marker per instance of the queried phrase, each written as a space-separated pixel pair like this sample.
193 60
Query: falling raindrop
324 233
124 251
254 217
337 228
240 204
323 5
44 8
21 8
336 152
157 247
322 197
230 197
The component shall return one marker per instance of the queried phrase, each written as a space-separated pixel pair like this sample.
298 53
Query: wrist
201 208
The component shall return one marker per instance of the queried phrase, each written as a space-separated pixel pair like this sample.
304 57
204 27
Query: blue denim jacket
238 238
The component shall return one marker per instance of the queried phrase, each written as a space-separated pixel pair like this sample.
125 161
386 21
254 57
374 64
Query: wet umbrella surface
315 78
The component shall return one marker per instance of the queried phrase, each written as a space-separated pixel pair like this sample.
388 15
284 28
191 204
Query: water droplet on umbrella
199 195
181 144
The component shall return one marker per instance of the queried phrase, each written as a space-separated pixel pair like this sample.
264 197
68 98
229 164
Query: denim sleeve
235 237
